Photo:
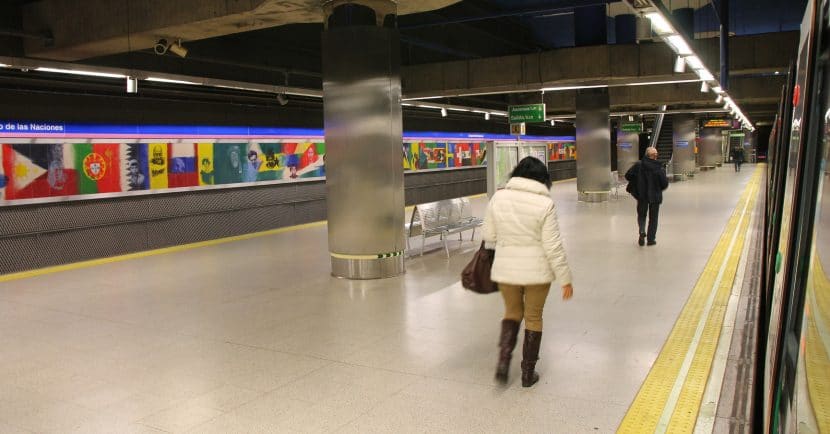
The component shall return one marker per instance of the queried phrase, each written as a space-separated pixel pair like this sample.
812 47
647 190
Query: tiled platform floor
255 336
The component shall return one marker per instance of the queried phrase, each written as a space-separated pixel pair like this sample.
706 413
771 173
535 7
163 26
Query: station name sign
31 127
528 113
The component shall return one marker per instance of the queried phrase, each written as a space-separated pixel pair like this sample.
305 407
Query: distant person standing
646 182
520 223
738 157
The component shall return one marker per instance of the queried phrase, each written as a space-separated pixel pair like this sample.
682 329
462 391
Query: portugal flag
98 167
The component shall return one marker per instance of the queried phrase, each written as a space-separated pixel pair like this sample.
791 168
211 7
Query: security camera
177 49
282 99
161 47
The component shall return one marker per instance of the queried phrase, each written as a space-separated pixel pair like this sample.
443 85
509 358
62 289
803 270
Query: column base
594 196
364 269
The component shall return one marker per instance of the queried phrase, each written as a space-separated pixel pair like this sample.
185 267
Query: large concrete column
363 130
593 145
710 147
628 148
683 141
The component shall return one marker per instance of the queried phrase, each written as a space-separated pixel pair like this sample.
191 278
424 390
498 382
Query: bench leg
446 248
423 241
473 236
459 237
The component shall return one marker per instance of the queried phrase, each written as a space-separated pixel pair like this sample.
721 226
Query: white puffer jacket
521 224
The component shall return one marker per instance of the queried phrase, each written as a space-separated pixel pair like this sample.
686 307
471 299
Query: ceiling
285 49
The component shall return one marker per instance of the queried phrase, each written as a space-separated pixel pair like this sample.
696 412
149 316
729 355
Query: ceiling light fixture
168 80
649 83
132 85
705 75
554 89
719 99
659 24
553 122
486 116
679 65
704 87
443 112
679 44
282 99
630 118
80 72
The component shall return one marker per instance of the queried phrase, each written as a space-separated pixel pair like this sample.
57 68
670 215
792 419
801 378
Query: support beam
607 64
93 28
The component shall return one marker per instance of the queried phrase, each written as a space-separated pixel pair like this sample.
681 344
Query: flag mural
182 165
135 166
204 153
44 170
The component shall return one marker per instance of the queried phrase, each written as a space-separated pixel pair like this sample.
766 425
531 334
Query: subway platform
252 334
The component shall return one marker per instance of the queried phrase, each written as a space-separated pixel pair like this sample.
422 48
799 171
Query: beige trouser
526 302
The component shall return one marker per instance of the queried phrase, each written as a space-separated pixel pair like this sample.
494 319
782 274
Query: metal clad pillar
628 148
593 145
710 147
363 131
683 140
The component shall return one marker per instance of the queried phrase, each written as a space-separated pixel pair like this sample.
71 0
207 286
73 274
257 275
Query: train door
781 289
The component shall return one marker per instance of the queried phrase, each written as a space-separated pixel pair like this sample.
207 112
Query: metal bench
442 218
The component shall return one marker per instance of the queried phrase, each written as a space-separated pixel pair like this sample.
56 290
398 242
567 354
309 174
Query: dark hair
532 168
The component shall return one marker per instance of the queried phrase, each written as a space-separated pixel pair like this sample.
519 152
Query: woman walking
521 225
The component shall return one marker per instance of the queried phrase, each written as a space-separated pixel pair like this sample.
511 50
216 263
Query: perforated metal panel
37 236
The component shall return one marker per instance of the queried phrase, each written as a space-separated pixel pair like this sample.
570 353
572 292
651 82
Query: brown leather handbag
476 275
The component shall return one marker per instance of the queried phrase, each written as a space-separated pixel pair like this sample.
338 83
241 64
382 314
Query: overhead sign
526 113
518 129
631 127
718 123
736 134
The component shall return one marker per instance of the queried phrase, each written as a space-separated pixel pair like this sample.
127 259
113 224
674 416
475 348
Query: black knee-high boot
531 354
507 341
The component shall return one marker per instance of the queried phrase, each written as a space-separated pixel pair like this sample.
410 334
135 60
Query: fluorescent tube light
649 83
427 106
457 109
554 89
167 80
694 62
80 72
659 23
717 89
705 75
679 44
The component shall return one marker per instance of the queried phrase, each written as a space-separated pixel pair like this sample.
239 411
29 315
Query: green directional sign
527 113
631 127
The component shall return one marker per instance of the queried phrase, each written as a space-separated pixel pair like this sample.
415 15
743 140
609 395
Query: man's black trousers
653 210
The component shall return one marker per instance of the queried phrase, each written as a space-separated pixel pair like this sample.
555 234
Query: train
791 390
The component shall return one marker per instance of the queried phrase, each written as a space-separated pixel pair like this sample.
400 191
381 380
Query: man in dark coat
647 180
738 157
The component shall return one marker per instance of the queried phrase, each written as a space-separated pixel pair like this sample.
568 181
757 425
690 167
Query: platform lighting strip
122 74
664 29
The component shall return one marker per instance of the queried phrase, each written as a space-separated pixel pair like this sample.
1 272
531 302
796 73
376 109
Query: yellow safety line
650 403
816 360
102 261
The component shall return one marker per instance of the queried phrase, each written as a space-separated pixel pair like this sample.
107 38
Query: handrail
658 125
